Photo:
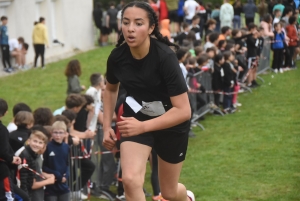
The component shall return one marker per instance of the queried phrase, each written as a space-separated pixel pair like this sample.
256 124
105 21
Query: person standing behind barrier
218 78
55 162
148 128
278 48
279 6
215 14
291 32
172 13
252 58
262 9
190 8
249 10
228 83
111 22
5 45
238 9
72 72
226 14
40 40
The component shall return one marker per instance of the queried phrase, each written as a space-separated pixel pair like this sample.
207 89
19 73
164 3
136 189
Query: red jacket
291 32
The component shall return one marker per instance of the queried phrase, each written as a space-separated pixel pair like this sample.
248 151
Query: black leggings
154 174
277 58
5 56
39 51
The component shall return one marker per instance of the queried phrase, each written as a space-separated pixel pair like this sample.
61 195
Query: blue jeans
236 22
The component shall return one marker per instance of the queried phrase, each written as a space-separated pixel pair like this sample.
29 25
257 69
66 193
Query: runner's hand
109 139
130 126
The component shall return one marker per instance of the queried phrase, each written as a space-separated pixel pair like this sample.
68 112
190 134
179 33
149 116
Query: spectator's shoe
255 83
276 71
83 197
120 198
191 195
232 110
280 70
237 105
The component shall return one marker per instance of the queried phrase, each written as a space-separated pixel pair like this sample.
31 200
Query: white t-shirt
208 44
11 127
96 94
191 8
13 44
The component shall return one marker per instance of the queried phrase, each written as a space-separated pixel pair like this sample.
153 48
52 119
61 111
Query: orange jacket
291 32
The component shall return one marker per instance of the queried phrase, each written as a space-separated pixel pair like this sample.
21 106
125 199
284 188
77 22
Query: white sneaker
191 195
280 70
83 197
276 71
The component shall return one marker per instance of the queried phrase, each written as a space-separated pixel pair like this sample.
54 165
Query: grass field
253 154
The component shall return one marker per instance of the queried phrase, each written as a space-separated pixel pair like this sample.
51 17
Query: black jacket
26 177
251 46
217 79
18 138
179 38
6 152
228 75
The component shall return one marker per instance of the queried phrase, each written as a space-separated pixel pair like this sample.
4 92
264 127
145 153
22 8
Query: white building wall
69 21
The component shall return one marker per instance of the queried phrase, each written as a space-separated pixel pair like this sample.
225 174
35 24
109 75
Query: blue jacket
279 40
3 35
250 9
56 159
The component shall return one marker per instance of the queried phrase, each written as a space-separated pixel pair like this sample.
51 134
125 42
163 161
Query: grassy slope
250 155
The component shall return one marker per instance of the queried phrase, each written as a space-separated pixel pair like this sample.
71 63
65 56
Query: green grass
253 154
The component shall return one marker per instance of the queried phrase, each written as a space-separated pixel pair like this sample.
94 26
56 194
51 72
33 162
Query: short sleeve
110 75
172 75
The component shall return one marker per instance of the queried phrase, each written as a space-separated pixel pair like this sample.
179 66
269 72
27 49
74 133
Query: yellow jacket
40 34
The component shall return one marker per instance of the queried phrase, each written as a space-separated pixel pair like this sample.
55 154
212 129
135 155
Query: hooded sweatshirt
40 34
165 28
226 12
250 9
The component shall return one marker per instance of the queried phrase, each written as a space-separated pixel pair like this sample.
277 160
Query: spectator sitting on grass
72 72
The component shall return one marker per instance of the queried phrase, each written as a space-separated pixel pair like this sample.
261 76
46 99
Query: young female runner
156 109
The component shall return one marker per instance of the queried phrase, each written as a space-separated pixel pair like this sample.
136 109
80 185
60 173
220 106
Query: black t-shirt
112 13
156 77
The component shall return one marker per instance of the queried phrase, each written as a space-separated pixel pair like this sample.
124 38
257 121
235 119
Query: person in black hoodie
228 82
218 77
24 121
6 158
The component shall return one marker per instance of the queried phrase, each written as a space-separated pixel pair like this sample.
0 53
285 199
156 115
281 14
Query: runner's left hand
130 126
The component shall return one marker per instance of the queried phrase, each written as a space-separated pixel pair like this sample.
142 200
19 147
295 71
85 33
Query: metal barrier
74 179
264 61
205 79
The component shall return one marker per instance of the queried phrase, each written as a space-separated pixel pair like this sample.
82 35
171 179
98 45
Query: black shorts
170 144
113 27
173 16
104 30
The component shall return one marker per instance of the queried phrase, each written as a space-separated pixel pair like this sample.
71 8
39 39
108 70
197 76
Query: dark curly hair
73 68
153 20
